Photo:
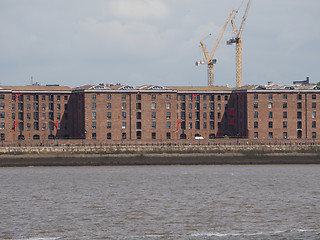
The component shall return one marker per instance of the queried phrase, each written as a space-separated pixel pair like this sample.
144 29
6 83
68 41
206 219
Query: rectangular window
183 97
108 96
138 115
28 126
36 98
255 105
211 115
168 115
36 106
36 126
29 106
270 124
13 107
2 126
94 136
204 106
108 105
108 115
285 124
190 115
58 98
153 125
204 115
13 116
219 106
43 98
94 125
93 97
36 115
197 125
138 97
51 116
255 135
1 96
255 115
153 135
314 114
190 125
124 125
183 106
285 135
168 97
255 96
20 106
299 115
94 115
212 97
28 98
299 125
269 105
284 96
204 125
168 106
43 107
51 106
138 125
190 106
124 136
314 96
2 115
168 135
108 125
219 115
314 124
314 105
153 115
28 116
2 106
108 135
212 106
255 124
123 106
58 116
51 98
270 134
285 105
270 115
285 115
168 125
65 98
299 105
43 126
299 97
153 105
123 97
211 125
270 96
153 96
219 97
314 135
93 106
183 115
138 105
124 115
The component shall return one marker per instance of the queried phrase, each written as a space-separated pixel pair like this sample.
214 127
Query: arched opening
183 136
212 136
51 136
21 137
36 137
299 134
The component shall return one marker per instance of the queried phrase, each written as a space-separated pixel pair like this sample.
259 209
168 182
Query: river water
161 202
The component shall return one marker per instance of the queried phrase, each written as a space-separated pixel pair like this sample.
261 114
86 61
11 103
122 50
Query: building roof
36 88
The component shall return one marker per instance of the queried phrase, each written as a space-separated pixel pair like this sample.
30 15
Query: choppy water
160 202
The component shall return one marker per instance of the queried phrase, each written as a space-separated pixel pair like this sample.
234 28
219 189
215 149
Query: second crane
209 58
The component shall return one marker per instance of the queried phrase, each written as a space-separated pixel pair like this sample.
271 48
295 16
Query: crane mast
209 58
237 40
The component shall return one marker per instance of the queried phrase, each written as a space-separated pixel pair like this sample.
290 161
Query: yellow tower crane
237 40
209 58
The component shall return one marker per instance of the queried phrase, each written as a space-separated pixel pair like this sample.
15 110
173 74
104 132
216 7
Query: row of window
285 124
285 105
35 116
20 126
20 97
284 96
284 134
191 97
285 115
35 106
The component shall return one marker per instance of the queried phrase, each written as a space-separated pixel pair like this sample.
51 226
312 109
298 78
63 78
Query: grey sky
76 42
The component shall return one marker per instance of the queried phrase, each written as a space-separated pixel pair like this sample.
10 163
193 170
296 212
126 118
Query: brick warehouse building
149 112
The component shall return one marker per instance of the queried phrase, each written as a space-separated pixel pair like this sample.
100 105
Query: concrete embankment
158 155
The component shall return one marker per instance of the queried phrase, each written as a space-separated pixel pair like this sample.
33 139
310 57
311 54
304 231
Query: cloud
139 9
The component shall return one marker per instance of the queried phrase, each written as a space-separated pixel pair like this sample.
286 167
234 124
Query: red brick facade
153 113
